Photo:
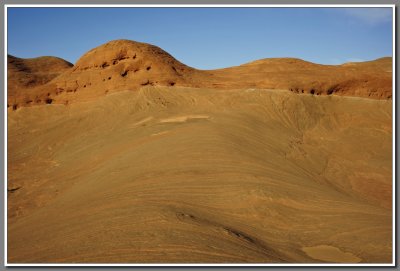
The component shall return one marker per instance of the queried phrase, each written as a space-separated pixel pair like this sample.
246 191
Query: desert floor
182 175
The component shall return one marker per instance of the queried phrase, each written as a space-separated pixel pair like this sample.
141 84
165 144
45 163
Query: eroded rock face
129 65
125 63
114 66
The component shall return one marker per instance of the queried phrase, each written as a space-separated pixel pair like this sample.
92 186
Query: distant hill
128 65
24 74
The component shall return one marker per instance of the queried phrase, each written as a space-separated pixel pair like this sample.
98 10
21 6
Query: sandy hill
383 64
120 65
26 74
115 66
367 79
123 64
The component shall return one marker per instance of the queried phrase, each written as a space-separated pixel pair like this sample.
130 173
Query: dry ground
196 175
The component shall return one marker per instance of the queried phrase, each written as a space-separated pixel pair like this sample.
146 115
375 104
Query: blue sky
207 38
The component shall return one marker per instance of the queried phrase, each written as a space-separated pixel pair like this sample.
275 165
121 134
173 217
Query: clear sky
207 38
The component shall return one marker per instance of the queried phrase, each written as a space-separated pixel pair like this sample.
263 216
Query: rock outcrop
128 65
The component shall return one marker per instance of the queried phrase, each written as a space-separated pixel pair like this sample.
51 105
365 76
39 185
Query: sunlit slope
119 65
186 175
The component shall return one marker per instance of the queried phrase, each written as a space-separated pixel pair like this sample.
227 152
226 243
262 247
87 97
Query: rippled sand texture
180 175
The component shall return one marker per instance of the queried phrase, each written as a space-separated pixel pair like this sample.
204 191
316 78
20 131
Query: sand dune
174 174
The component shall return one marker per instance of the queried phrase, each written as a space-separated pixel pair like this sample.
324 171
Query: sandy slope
169 174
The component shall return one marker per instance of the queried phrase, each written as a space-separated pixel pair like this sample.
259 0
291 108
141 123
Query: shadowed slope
25 74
